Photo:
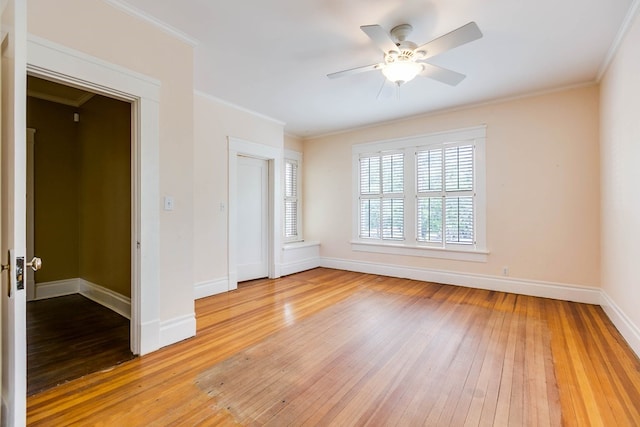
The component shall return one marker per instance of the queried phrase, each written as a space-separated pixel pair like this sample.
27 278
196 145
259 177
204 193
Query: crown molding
237 107
133 11
622 31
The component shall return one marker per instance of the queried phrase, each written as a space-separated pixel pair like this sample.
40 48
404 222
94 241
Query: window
381 196
445 194
292 226
422 196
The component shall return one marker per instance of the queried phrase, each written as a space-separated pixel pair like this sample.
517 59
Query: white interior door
13 211
253 218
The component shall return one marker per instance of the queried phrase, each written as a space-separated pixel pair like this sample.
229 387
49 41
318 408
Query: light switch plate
168 203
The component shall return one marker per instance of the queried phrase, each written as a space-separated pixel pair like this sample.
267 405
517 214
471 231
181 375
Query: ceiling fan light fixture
401 72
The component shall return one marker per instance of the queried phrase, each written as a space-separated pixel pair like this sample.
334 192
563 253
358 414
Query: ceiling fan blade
441 74
380 37
465 34
354 71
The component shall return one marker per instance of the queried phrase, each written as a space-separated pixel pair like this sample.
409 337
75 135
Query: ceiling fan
403 59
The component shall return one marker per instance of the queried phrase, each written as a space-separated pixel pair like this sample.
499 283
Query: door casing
273 155
60 64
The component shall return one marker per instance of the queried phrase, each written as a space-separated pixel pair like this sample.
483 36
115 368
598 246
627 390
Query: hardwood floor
328 347
72 336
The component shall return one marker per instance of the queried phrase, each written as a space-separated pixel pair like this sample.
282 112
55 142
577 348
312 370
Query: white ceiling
272 57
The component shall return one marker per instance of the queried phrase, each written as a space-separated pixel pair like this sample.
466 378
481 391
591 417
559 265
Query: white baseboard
621 321
156 334
106 297
298 266
103 296
56 288
299 256
177 329
149 337
575 293
211 287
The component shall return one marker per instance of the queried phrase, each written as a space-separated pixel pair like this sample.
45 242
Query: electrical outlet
505 271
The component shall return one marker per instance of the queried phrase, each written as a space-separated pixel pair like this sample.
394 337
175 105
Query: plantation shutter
445 194
381 187
291 199
459 210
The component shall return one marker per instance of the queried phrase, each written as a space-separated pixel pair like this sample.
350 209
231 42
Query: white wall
214 122
620 163
542 188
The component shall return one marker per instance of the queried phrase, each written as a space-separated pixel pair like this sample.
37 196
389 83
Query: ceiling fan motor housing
401 32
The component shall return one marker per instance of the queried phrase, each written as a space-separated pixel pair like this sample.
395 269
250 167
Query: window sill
473 255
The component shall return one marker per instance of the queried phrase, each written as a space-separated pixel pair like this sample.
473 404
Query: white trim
177 329
135 12
299 265
99 294
237 147
59 63
621 321
105 297
211 287
55 288
299 256
632 12
30 182
441 137
292 246
420 251
237 107
561 291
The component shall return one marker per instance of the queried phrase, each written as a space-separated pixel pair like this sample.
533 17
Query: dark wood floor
69 337
328 347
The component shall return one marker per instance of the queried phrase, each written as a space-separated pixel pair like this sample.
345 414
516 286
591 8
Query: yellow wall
293 143
543 198
620 154
104 32
214 122
56 190
104 155
83 191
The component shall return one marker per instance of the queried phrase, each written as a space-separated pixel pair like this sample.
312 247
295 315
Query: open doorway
81 204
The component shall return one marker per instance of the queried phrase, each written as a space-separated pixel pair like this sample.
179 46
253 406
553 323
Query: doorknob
35 263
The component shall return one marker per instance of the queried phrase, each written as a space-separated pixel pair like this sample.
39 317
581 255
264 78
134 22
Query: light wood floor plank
328 347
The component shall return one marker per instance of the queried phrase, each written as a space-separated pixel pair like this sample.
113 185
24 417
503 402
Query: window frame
477 251
292 157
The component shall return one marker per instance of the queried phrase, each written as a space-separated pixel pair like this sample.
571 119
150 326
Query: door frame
273 155
30 283
60 64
